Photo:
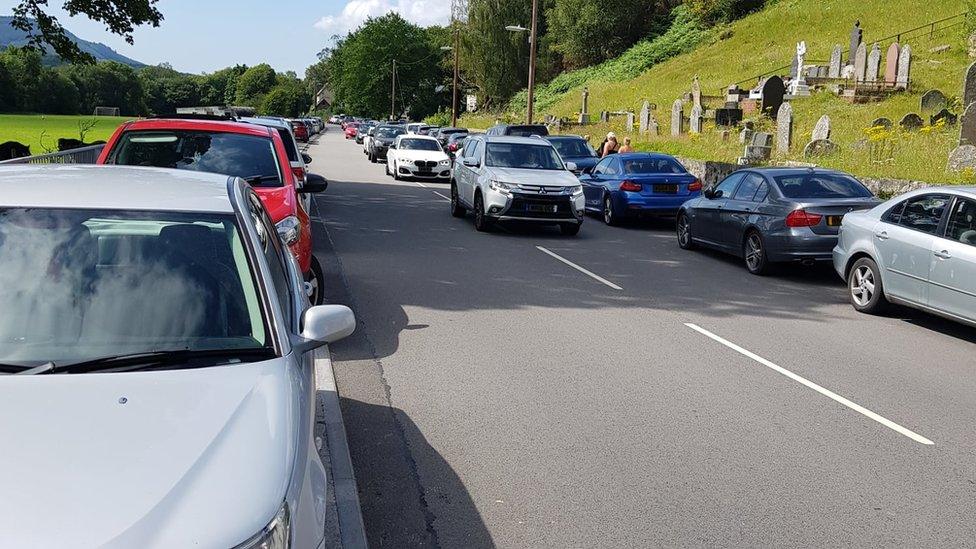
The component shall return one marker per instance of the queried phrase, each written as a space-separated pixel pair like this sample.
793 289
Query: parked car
251 152
429 130
638 184
772 215
380 143
918 250
414 127
300 130
516 179
171 339
443 134
417 156
367 138
352 130
518 130
299 161
575 149
362 130
454 143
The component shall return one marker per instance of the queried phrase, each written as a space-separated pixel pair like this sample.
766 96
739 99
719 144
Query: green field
42 131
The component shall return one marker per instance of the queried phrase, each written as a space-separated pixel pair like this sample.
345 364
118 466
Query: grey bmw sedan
773 215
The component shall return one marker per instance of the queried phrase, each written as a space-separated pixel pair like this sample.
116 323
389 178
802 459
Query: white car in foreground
418 156
157 382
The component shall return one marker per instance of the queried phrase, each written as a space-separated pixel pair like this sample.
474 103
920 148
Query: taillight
630 186
802 218
299 173
695 186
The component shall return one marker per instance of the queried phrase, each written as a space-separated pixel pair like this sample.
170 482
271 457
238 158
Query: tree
119 16
496 60
711 12
107 84
289 99
254 83
585 33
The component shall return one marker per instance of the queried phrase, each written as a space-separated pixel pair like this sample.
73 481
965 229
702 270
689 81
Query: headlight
445 162
276 535
503 187
289 229
574 190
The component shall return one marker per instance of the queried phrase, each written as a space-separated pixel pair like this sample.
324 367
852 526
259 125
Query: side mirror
314 183
392 145
324 324
470 162
571 166
306 158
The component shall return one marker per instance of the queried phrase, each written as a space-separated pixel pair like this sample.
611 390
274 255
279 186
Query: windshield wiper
140 361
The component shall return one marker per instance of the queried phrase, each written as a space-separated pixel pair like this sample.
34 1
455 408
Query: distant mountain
10 36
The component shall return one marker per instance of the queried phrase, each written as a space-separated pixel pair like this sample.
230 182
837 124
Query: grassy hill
10 36
766 40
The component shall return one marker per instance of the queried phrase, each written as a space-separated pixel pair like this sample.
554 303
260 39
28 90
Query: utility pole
454 102
532 41
393 92
459 16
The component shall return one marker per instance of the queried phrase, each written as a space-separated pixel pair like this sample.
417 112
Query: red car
351 130
253 153
300 130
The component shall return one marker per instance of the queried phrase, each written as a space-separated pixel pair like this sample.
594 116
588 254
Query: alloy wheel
684 234
754 252
608 217
862 285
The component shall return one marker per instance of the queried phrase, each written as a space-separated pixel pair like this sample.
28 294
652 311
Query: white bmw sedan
418 156
156 369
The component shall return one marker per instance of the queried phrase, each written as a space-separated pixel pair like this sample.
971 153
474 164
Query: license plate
834 220
540 208
666 189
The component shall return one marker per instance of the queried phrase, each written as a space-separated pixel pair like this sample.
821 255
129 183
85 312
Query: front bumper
537 208
800 244
433 172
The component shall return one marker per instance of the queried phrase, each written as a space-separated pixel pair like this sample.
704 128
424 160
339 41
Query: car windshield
573 148
245 156
83 284
387 133
652 165
519 155
419 145
821 185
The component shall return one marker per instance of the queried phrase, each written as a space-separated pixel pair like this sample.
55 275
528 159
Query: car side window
893 215
747 189
271 247
612 167
762 193
727 185
923 213
601 167
475 152
962 223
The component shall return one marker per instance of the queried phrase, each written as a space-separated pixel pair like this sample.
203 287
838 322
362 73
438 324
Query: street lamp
532 40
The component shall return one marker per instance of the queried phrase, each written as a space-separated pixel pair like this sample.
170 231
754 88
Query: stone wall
708 171
886 188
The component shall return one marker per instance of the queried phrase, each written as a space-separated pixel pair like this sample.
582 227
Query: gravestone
630 121
821 131
847 72
911 122
586 100
820 147
758 149
745 136
944 114
728 116
697 117
762 139
833 70
874 62
798 85
677 118
969 87
856 34
904 68
883 122
961 158
645 117
794 68
652 127
967 126
605 117
696 94
891 63
784 129
584 119
860 62
772 92
933 101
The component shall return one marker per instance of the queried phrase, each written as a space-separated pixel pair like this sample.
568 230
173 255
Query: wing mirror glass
306 158
314 183
324 324
470 162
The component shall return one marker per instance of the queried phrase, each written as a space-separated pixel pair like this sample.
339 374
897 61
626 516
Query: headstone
967 126
874 61
762 139
835 59
944 114
933 101
961 158
728 116
745 136
755 153
630 121
847 72
584 119
794 68
677 118
586 100
798 85
856 33
904 68
696 94
697 117
821 131
911 122
860 62
726 134
820 147
891 63
645 117
940 49
772 93
652 127
784 128
883 122
605 116
969 87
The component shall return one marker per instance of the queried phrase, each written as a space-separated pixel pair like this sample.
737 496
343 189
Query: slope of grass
43 130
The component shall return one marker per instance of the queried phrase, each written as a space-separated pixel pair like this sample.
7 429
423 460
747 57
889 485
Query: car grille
425 164
556 207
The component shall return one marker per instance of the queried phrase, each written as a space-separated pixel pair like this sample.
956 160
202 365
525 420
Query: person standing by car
626 148
610 145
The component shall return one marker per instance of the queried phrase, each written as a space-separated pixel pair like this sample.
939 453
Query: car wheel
396 172
865 287
457 209
481 221
387 168
754 252
684 233
314 281
570 229
608 216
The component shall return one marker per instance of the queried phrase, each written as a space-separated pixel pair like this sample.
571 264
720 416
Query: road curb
352 533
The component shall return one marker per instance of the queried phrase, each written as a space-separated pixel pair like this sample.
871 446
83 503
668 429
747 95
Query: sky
207 35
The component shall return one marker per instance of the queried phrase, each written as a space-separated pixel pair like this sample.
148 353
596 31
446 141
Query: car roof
563 137
774 171
416 136
636 155
516 140
204 125
113 188
279 123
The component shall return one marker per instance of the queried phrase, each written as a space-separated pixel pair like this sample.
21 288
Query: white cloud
421 12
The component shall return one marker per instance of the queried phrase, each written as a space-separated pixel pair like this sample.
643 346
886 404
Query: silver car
918 249
156 370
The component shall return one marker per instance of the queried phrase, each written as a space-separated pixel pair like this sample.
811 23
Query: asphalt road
495 395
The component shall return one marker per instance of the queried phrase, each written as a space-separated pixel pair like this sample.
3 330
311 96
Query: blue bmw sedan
635 184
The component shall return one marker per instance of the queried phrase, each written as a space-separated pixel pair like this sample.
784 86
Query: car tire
865 288
457 209
315 278
570 229
608 216
396 172
481 221
387 168
754 253
683 226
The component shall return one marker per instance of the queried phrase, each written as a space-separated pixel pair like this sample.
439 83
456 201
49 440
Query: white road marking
580 269
420 184
442 196
825 392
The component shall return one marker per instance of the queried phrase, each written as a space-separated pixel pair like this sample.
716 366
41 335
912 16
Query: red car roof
205 125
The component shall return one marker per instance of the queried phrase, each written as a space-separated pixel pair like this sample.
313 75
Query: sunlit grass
41 131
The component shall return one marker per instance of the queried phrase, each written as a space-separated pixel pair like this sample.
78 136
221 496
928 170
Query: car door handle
883 235
944 254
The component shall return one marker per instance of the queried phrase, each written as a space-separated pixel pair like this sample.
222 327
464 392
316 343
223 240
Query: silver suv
504 178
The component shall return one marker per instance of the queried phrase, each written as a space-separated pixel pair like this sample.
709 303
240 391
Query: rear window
289 144
652 165
821 185
526 131
246 156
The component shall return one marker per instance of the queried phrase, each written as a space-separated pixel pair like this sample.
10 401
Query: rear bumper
800 244
627 203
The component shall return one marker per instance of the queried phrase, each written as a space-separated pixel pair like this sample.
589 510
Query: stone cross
969 87
645 117
856 34
822 129
904 68
586 100
891 63
696 119
860 62
835 56
784 129
677 118
696 95
874 61
967 126
801 52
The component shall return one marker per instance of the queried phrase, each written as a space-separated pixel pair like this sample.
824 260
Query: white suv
516 179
